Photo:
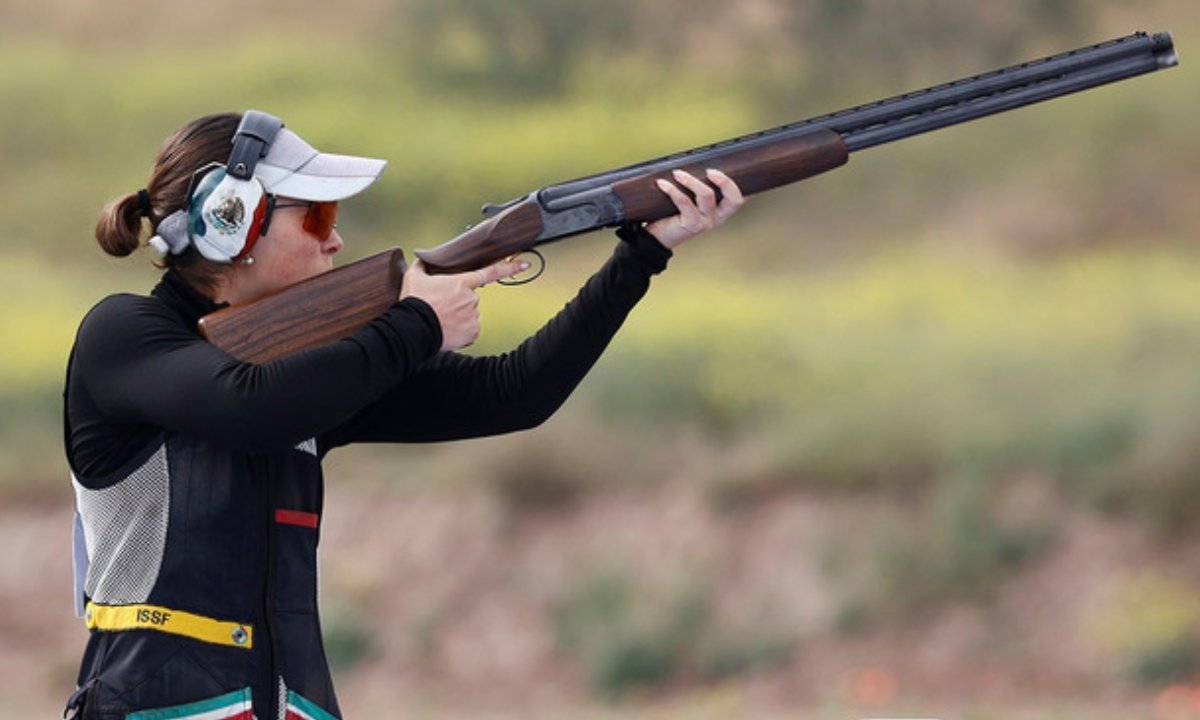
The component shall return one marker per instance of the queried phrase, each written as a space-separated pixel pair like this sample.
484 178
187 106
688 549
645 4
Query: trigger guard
541 269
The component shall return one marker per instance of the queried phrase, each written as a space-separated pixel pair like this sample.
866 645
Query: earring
248 260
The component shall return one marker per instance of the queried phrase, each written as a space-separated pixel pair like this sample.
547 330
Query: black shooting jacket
199 486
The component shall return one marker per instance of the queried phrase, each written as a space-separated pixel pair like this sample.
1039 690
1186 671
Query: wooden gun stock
314 312
755 169
525 224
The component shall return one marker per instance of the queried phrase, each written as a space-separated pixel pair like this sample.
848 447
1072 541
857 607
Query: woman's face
286 254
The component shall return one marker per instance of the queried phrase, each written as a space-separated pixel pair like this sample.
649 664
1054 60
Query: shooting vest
196 570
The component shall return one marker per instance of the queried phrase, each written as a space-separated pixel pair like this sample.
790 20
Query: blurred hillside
472 103
948 383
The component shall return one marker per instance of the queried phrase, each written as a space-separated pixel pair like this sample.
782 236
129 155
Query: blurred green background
918 437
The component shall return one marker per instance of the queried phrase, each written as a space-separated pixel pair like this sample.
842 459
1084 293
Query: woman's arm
137 363
454 396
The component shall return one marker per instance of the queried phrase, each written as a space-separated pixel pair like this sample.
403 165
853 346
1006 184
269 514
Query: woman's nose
332 244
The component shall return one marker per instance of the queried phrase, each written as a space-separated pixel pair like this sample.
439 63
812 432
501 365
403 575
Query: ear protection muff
228 209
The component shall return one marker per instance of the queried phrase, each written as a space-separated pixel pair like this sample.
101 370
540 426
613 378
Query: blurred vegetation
631 637
1151 625
348 640
1021 295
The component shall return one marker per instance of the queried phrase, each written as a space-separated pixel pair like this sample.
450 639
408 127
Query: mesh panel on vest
125 526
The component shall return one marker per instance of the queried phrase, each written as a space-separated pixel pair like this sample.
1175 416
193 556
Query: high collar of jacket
184 299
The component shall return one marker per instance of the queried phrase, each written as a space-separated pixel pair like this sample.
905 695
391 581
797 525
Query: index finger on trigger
497 271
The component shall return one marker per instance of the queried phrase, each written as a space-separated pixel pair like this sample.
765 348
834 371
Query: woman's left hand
699 215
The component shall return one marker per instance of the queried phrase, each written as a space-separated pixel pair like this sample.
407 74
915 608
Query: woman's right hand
453 297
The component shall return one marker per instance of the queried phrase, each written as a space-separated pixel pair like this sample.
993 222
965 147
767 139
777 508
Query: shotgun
306 315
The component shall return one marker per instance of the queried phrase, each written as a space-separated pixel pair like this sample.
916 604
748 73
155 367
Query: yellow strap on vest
154 617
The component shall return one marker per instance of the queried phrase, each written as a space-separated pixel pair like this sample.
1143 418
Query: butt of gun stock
311 313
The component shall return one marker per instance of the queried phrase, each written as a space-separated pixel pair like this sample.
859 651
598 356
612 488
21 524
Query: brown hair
119 231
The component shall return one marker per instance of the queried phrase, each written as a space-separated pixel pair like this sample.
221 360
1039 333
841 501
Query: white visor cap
293 168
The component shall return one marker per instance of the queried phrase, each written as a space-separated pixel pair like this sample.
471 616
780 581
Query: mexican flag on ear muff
225 214
227 205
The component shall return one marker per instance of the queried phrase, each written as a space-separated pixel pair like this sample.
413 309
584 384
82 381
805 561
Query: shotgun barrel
933 108
779 156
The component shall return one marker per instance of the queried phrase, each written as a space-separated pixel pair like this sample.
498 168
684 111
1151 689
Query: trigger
521 279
